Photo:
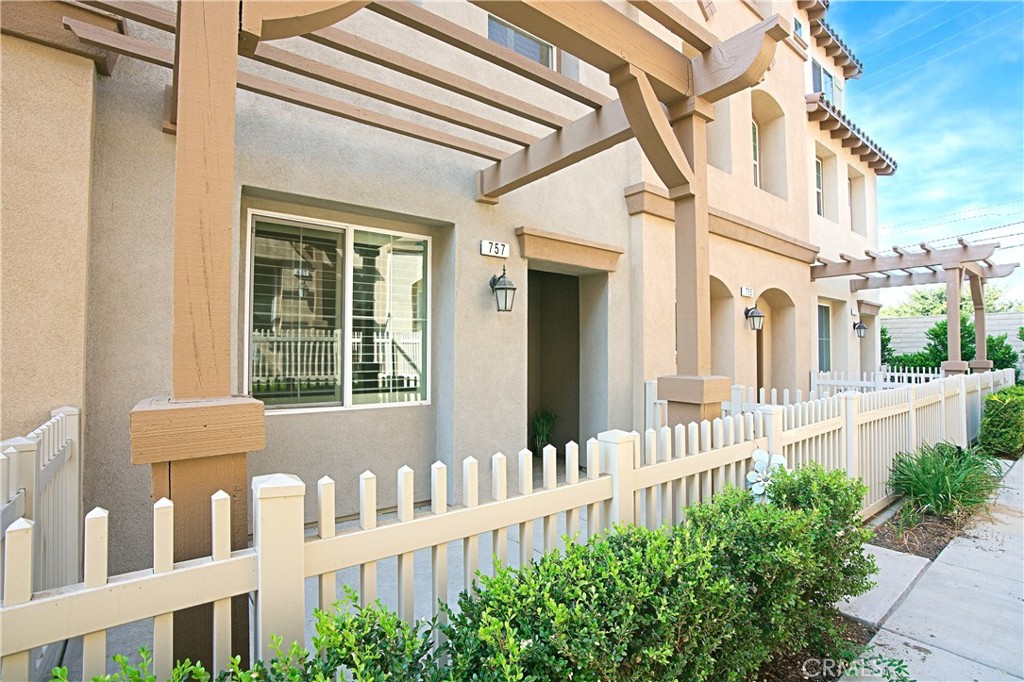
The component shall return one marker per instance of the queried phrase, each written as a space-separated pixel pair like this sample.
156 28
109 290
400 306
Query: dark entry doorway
553 318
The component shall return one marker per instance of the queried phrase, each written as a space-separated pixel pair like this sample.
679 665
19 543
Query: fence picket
438 553
163 562
18 556
572 477
94 644
525 488
499 492
367 521
220 519
406 589
470 544
550 522
593 473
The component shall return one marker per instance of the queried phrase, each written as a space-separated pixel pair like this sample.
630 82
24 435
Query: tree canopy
927 301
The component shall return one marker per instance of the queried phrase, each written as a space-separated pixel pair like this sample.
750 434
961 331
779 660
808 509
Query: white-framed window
755 140
824 338
532 47
819 185
798 28
822 81
337 314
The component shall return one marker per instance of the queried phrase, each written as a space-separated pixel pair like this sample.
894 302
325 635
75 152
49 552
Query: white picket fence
872 381
647 479
39 480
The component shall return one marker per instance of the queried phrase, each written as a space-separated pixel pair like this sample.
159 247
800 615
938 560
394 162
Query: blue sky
943 92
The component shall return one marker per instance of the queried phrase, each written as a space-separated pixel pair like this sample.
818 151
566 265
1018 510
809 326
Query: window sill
341 408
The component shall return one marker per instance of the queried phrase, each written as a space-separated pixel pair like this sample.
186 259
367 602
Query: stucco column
980 363
953 363
693 393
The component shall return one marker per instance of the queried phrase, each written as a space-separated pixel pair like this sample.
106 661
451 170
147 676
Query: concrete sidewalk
960 617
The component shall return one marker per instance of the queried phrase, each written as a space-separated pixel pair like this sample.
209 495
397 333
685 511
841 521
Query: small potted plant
541 425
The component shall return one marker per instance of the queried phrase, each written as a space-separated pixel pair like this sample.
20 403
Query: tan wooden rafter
947 257
273 20
445 31
678 22
921 278
722 70
161 56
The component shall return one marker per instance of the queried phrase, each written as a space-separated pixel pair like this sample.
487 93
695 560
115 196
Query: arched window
768 139
754 139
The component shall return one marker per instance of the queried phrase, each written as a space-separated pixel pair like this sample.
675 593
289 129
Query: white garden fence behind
646 479
872 381
39 480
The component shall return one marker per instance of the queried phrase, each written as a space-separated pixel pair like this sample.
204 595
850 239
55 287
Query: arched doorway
776 342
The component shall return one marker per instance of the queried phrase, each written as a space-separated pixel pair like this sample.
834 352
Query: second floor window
822 81
756 143
798 28
819 185
521 42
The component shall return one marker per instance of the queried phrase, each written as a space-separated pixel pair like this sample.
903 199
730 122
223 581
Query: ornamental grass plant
944 479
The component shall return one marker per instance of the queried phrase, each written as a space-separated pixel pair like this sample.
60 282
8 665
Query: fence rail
872 381
644 479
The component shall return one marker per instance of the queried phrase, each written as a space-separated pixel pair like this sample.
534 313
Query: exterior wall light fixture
861 329
755 318
504 291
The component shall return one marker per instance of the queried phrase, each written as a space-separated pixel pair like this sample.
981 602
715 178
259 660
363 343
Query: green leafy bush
1002 423
944 479
838 535
634 605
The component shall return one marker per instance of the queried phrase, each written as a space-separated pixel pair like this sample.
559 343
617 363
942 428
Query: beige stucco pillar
980 363
953 363
47 101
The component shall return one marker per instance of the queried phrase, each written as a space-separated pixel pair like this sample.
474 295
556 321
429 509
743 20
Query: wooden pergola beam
920 278
274 20
678 22
154 54
441 29
948 257
600 35
304 66
592 134
374 53
738 63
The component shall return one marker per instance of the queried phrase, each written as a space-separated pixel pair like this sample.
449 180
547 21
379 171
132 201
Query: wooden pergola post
197 441
980 363
954 280
694 393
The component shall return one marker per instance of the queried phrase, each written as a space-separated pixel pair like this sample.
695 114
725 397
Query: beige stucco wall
46 104
479 358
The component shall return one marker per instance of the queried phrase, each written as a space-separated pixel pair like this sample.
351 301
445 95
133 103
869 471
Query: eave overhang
829 118
828 39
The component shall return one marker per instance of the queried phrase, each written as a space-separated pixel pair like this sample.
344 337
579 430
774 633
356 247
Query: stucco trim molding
868 308
43 23
647 198
551 247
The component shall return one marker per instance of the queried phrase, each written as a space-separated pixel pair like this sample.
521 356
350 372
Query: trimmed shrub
634 605
1002 423
945 479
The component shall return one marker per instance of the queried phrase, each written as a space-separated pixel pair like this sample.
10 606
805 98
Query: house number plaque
495 249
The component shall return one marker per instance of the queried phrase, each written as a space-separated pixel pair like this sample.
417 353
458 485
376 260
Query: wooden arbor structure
198 439
929 265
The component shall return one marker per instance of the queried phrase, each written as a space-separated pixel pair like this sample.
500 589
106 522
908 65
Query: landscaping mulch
927 539
799 666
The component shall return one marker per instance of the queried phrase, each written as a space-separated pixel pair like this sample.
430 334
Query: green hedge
711 599
1002 423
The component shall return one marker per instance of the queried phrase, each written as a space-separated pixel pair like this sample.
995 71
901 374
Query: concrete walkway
960 617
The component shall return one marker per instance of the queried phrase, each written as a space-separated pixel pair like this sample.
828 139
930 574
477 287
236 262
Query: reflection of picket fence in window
398 356
298 355
644 479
